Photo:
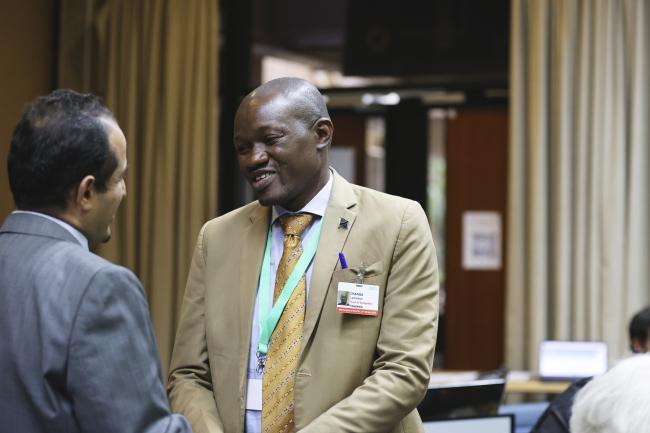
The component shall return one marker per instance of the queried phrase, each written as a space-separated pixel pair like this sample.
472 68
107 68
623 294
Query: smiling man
263 344
77 351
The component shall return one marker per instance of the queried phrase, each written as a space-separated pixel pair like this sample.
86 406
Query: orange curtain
155 62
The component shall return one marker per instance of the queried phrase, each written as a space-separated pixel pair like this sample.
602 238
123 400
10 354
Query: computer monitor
467 399
571 360
490 424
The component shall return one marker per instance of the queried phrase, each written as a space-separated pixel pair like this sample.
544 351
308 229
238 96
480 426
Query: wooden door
477 154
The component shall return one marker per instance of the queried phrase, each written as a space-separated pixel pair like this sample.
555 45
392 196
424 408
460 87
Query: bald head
305 100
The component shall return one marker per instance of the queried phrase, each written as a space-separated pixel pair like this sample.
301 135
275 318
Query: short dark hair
60 139
639 326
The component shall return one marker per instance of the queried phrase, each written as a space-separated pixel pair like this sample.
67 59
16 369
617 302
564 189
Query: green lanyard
269 320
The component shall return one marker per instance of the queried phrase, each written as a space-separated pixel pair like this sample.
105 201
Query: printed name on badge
361 299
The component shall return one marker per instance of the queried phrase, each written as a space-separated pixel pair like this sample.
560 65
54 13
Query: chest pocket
354 324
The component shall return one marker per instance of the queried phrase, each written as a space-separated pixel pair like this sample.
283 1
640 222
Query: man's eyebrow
263 129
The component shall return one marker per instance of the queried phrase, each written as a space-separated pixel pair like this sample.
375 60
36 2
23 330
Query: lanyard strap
269 319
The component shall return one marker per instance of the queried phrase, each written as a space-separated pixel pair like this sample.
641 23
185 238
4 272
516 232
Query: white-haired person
616 402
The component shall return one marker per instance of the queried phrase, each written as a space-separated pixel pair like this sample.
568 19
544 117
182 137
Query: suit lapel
252 251
332 239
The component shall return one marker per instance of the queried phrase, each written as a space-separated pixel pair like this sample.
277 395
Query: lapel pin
343 223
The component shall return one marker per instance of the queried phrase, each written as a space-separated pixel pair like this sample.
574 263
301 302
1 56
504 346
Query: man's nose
259 154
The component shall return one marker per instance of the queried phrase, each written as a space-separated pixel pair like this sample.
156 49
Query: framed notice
482 240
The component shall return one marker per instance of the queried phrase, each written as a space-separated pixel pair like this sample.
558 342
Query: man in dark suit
77 351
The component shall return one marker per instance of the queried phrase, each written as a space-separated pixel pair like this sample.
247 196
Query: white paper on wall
482 240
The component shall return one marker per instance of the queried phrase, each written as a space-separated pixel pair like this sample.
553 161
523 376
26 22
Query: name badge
254 394
361 299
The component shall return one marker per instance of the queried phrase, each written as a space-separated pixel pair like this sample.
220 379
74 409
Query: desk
534 386
516 383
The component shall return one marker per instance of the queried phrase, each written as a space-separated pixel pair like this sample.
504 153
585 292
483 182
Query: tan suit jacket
355 373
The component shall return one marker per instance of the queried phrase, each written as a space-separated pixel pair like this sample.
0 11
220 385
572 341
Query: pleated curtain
578 246
155 62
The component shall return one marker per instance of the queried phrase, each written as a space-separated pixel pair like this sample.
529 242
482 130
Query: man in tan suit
262 343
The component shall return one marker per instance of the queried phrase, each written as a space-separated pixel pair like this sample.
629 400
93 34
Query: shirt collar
73 231
316 206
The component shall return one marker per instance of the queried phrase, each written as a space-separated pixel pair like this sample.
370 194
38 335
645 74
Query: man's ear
644 346
85 193
637 346
324 129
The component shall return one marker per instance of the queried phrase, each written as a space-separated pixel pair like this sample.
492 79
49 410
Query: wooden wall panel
27 42
477 145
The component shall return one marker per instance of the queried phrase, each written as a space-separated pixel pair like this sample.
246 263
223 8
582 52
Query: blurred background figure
640 331
555 418
616 402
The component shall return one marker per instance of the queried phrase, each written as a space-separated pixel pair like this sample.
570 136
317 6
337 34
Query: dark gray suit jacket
77 351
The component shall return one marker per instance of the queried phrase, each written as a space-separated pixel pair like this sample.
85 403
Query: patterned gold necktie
284 346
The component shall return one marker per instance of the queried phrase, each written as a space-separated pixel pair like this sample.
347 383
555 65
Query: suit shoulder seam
201 243
401 229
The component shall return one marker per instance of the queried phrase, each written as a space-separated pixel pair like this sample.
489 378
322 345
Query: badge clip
361 272
261 362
